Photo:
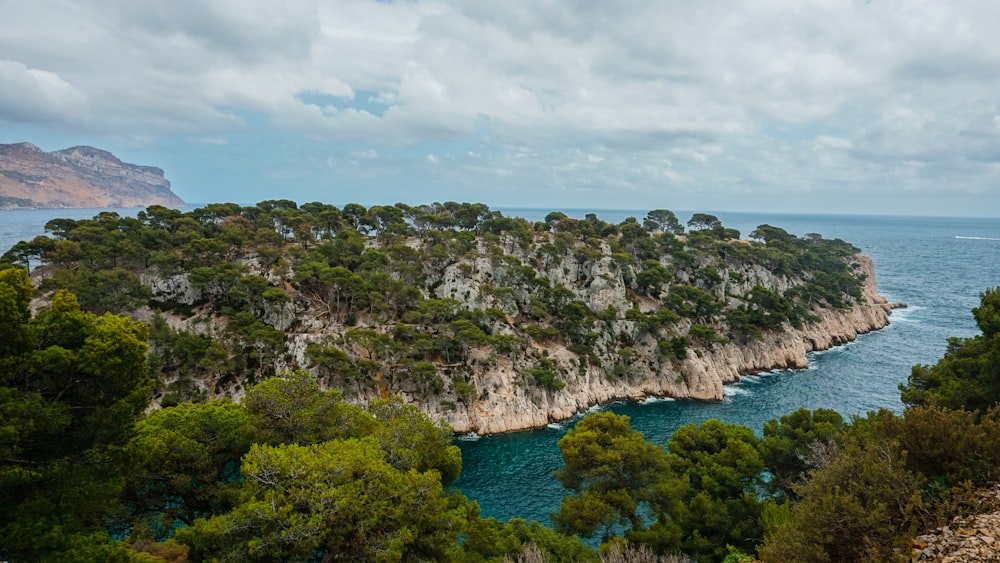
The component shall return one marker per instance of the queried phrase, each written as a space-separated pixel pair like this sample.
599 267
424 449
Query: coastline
508 407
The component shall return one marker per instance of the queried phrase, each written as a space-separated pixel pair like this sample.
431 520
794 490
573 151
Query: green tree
663 220
187 464
968 376
860 506
610 469
709 498
338 500
653 278
15 297
71 387
334 365
115 290
411 440
293 410
486 539
704 221
793 443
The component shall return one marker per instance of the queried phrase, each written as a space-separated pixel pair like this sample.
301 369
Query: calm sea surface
937 265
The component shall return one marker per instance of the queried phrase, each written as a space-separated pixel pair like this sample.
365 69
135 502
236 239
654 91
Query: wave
904 314
731 390
976 238
649 400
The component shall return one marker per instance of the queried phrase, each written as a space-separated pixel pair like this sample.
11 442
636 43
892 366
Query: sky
799 106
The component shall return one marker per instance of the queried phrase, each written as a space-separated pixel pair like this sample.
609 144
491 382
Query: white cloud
209 140
826 141
30 94
368 154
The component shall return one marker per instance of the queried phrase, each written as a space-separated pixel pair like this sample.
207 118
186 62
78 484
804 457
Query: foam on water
651 400
735 389
976 238
910 314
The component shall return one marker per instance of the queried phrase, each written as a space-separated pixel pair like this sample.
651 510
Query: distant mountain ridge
79 176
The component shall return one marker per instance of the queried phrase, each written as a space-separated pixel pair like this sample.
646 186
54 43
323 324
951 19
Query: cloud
828 142
710 99
209 140
368 154
29 95
245 31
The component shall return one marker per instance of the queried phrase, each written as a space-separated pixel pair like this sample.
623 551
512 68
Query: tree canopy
262 276
968 376
72 385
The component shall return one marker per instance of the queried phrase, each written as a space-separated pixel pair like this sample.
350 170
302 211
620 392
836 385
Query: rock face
502 402
77 177
563 324
966 539
507 406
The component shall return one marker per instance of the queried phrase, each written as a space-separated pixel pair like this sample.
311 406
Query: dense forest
442 304
295 473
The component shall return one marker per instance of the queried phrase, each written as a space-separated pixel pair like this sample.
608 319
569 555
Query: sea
938 266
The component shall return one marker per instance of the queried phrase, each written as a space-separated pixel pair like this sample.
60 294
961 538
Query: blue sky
836 106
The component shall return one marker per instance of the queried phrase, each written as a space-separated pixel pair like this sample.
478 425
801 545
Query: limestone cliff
77 177
508 405
492 324
503 400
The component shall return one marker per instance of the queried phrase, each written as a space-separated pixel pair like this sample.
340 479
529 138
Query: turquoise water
919 261
936 265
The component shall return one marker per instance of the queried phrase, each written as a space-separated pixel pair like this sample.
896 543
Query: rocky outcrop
77 177
486 390
504 405
967 538
504 402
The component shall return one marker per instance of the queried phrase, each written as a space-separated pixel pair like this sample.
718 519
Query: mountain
78 177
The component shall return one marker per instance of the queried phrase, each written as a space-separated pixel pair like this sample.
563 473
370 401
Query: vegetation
296 472
968 376
72 384
813 488
292 473
419 300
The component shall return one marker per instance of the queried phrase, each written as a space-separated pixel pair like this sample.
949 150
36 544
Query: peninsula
82 176
487 322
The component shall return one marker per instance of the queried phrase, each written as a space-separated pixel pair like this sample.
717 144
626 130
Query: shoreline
701 376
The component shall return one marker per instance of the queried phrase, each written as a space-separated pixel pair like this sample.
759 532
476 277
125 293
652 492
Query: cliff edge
492 324
82 176
510 406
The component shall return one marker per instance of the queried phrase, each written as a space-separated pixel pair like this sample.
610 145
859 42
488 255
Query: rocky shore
549 379
506 406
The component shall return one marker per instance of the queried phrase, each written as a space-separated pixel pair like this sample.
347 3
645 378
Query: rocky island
82 176
487 322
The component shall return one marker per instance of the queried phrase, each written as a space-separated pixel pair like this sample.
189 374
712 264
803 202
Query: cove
938 266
